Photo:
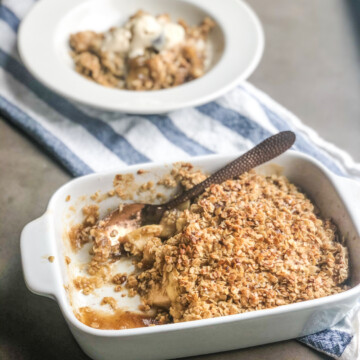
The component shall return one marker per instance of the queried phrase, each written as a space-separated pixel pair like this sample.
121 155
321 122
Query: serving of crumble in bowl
271 255
141 56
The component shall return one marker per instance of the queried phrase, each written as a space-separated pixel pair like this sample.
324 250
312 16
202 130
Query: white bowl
336 197
43 46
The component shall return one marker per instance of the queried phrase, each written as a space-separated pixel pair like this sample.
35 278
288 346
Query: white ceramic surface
336 197
237 44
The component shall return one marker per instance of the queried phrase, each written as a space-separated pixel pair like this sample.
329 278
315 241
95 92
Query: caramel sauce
76 240
119 319
72 234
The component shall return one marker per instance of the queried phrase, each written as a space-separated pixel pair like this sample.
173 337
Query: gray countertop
310 66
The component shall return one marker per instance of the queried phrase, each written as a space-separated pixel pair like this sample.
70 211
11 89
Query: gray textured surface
310 66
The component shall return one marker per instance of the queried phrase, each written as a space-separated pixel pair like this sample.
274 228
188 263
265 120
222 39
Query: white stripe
140 133
239 101
75 137
19 7
8 40
147 137
209 133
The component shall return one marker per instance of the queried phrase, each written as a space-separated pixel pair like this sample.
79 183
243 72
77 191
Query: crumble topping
124 186
247 244
80 234
167 181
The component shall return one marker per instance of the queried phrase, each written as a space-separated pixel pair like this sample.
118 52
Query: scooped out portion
146 53
251 243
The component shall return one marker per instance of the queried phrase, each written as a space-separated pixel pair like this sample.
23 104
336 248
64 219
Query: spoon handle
267 150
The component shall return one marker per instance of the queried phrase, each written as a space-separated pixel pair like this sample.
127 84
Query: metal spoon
133 216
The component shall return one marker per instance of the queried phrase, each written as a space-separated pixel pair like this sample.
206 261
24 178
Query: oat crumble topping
247 244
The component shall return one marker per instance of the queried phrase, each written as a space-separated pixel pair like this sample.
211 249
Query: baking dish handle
36 247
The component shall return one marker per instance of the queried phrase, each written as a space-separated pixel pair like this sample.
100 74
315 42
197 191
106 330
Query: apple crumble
251 243
147 53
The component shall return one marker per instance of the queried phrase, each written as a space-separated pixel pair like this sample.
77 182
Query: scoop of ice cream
142 32
145 30
148 31
174 34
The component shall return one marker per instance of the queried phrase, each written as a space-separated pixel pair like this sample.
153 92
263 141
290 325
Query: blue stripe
176 136
9 17
331 342
99 129
54 146
302 144
235 121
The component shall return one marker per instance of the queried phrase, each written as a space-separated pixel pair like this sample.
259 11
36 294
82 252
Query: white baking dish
336 197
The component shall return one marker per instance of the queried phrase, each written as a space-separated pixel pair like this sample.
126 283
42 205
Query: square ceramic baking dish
336 197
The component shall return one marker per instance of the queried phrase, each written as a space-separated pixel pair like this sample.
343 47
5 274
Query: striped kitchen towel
85 140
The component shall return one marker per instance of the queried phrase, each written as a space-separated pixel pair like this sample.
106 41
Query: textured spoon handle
265 151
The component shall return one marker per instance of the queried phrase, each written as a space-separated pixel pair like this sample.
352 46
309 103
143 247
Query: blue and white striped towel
84 140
